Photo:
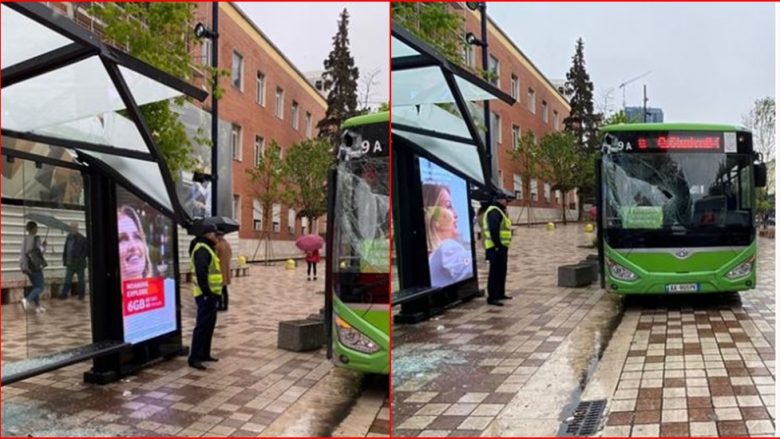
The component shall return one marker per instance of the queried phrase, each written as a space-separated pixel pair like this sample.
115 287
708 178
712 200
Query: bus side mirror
759 174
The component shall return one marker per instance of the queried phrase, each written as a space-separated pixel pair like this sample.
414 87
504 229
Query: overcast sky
304 32
709 61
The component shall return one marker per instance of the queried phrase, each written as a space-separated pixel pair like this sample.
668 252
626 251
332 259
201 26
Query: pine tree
340 78
582 122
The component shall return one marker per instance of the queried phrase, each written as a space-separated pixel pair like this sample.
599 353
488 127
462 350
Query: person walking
32 263
312 258
207 287
497 229
74 259
225 253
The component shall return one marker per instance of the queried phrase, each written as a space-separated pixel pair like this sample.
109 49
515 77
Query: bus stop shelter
72 102
436 144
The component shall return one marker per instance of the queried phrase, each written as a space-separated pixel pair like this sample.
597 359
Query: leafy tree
268 179
157 34
526 152
340 78
615 119
434 23
305 174
761 121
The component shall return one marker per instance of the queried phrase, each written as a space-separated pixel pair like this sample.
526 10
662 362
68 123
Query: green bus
676 208
358 245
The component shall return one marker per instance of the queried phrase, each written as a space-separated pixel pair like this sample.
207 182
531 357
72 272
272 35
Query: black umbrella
48 221
222 223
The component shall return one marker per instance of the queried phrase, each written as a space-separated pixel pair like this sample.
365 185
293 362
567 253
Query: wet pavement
254 390
521 370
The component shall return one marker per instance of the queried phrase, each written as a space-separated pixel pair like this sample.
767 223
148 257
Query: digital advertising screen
447 225
146 266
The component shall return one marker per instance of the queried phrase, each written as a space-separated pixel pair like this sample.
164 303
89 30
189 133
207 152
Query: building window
557 196
259 149
261 89
237 208
257 215
555 120
547 192
515 137
496 128
307 125
279 103
517 182
304 225
534 190
294 115
468 55
532 100
235 142
291 221
276 217
237 71
501 178
545 115
495 70
515 87
205 51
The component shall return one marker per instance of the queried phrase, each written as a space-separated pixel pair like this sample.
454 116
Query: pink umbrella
310 242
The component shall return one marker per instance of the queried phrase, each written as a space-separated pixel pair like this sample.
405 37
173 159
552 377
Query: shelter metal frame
430 57
87 45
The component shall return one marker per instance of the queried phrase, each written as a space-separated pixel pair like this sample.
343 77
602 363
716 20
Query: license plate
682 288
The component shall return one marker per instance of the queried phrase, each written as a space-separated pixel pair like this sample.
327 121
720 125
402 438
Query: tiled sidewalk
244 394
457 374
700 368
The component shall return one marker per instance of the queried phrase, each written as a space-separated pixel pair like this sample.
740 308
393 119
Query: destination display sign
639 142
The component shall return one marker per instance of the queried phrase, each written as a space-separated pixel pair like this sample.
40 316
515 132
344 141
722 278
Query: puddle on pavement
587 348
23 419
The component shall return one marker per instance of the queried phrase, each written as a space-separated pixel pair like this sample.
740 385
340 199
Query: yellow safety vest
505 232
215 272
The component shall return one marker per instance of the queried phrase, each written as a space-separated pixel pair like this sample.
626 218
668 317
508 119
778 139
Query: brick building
266 97
540 108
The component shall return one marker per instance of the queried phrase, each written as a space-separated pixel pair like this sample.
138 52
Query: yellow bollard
242 260
289 265
550 226
589 228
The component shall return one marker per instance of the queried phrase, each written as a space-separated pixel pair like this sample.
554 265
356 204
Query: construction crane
625 83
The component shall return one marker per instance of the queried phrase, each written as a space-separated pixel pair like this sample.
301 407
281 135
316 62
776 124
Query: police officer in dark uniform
207 288
497 228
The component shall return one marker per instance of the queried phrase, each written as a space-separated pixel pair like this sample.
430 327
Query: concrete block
301 335
575 275
594 265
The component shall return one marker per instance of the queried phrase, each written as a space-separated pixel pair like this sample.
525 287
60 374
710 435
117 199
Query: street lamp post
482 42
202 31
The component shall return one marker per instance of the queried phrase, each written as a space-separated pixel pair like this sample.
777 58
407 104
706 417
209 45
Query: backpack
35 260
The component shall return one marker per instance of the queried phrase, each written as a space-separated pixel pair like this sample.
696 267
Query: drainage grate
586 418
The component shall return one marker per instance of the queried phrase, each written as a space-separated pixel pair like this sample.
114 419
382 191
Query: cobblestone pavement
254 390
520 370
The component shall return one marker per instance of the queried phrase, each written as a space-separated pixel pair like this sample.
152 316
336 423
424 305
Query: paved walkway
254 390
520 370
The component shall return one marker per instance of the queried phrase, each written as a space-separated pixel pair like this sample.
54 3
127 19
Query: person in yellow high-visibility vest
497 236
207 283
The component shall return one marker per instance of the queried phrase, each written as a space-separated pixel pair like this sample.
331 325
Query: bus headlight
620 272
354 339
741 270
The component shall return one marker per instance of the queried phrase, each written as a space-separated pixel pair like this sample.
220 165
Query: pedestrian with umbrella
311 245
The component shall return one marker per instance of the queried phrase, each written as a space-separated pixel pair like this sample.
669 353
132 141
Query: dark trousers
497 275
66 284
223 299
311 266
205 322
